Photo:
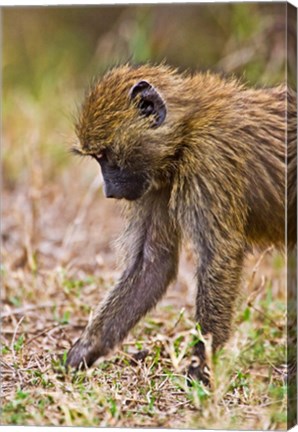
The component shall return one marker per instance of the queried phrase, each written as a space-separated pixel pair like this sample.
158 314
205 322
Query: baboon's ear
150 103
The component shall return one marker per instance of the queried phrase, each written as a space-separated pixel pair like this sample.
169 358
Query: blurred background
50 55
58 229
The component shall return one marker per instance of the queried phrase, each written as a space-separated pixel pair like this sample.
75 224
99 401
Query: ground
58 262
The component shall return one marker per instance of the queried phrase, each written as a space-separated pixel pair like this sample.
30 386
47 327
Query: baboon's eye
149 102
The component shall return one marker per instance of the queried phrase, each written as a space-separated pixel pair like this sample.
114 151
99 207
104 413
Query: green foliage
140 43
16 410
198 393
240 382
5 349
15 301
245 20
18 345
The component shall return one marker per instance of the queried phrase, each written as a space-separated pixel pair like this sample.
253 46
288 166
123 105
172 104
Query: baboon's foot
82 354
200 367
199 372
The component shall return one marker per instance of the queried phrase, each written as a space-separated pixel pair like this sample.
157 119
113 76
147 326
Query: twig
257 265
14 335
42 333
12 347
279 326
7 365
28 308
182 311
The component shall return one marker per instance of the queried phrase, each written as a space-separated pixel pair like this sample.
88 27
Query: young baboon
197 157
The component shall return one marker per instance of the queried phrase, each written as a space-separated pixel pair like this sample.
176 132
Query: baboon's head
125 123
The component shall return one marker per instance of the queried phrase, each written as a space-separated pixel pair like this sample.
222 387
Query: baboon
196 157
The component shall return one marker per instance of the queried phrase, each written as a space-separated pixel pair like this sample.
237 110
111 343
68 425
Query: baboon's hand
82 354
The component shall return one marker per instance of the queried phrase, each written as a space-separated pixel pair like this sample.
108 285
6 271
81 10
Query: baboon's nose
108 190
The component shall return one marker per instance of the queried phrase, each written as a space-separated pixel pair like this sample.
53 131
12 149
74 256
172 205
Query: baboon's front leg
152 268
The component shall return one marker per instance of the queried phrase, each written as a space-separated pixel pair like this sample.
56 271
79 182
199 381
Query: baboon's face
121 182
131 180
119 126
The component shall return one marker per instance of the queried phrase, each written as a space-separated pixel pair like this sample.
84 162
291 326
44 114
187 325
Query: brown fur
217 177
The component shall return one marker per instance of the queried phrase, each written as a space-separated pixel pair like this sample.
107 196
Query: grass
45 309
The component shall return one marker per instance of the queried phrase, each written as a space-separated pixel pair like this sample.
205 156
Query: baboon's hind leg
218 286
200 368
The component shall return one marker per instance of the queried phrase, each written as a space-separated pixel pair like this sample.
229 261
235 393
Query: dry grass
58 262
